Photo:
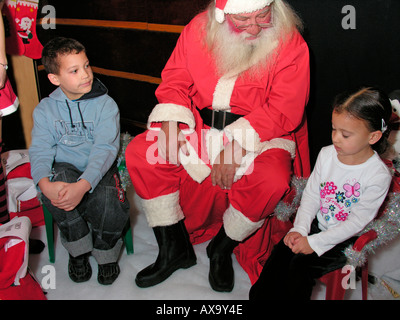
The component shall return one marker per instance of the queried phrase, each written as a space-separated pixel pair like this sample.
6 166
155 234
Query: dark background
340 59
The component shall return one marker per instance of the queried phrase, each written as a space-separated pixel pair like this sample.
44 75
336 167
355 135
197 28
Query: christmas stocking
14 45
25 18
22 27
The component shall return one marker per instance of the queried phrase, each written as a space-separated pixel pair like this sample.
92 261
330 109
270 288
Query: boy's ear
375 136
53 79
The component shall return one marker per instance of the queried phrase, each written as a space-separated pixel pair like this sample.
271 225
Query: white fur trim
237 226
219 15
163 210
242 131
223 93
194 166
245 6
172 112
10 109
247 164
279 143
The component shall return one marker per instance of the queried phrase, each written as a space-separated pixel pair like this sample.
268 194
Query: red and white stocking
14 45
21 16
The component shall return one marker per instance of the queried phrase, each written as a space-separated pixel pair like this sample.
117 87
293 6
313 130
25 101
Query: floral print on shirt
336 201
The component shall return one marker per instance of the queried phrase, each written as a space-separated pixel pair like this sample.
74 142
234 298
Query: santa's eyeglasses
263 20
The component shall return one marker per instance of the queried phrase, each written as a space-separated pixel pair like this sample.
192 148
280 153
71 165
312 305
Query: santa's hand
224 168
170 141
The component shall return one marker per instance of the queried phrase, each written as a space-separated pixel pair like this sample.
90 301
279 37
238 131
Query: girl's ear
375 136
53 79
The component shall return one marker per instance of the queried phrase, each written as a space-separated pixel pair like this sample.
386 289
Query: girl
343 194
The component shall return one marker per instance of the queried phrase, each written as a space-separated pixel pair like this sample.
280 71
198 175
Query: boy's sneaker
79 269
108 273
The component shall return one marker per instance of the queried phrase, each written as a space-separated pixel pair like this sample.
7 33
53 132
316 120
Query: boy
75 141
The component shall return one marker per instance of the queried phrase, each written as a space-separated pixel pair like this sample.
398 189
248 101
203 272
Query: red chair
334 281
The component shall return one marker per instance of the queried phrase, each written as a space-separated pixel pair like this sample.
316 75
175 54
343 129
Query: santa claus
224 140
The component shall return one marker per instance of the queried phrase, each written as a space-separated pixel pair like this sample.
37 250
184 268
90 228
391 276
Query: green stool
48 219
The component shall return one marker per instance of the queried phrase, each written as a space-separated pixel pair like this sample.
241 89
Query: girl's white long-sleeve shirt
344 198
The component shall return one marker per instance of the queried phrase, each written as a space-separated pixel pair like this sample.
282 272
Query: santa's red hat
223 7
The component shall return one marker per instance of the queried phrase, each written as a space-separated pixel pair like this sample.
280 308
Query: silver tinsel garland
123 172
387 226
283 210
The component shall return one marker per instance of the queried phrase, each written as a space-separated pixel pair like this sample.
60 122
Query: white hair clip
384 126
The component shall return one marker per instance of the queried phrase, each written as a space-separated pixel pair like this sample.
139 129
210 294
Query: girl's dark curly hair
371 105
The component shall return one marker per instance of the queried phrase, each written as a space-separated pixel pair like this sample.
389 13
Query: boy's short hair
57 47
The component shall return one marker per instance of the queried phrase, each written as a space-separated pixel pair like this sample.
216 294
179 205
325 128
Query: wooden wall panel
118 10
132 51
128 43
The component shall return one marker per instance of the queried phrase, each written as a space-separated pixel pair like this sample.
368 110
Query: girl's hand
302 246
290 239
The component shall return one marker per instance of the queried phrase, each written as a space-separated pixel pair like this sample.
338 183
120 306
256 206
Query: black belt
218 119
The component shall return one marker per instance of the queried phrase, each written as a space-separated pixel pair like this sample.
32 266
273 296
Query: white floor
189 284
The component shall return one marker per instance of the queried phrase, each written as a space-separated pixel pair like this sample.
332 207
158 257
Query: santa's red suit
273 130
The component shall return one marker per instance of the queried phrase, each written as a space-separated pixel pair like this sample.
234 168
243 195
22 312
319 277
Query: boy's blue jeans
97 224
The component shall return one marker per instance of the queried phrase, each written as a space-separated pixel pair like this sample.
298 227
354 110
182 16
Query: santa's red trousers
254 195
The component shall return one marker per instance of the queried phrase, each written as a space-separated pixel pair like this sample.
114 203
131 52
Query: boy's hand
71 195
51 189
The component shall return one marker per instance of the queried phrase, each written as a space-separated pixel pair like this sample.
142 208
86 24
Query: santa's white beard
235 54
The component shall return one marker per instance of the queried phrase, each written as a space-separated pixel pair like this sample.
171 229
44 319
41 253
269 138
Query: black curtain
352 43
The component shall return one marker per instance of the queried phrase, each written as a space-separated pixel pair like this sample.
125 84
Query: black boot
175 252
79 269
108 273
219 250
